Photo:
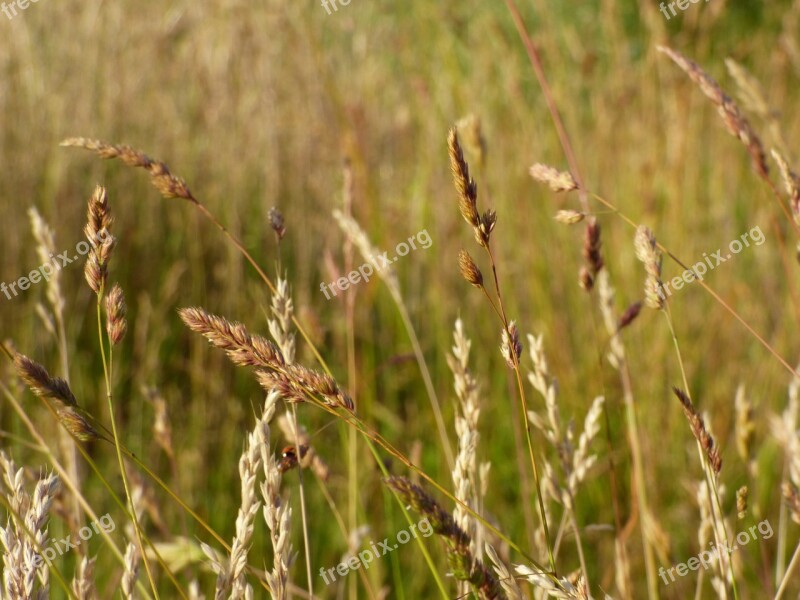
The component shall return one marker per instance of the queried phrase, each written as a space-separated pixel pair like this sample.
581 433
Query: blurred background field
260 105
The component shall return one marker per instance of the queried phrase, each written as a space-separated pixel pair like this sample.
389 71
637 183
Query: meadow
611 219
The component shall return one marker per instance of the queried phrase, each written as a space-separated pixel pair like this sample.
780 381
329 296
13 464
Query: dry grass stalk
784 429
46 249
359 238
559 181
281 330
356 235
504 575
232 581
652 535
165 182
622 569
606 295
648 253
700 432
138 498
734 121
162 426
753 98
563 589
281 326
582 460
745 428
464 565
116 323
791 181
511 348
711 523
194 591
465 473
131 571
575 462
277 515
83 581
22 560
547 386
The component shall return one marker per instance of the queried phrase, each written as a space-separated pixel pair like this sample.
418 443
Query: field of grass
355 126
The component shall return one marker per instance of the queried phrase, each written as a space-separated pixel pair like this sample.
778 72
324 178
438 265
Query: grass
261 107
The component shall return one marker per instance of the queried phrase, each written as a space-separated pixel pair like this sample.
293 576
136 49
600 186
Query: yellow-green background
258 104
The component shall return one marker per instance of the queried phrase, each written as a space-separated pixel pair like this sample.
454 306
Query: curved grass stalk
107 366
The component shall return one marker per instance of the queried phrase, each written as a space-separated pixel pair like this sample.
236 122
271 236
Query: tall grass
544 442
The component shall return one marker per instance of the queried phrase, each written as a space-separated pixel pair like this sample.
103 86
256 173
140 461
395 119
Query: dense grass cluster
525 386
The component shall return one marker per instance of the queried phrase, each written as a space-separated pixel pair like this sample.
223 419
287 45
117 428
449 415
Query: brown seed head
791 182
41 383
699 430
559 181
277 223
98 216
629 315
792 499
164 181
732 117
591 247
741 502
463 564
469 270
97 231
484 231
74 422
648 253
465 185
585 279
116 323
242 348
511 348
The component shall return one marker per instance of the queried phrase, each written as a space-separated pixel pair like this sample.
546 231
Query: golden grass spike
165 182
